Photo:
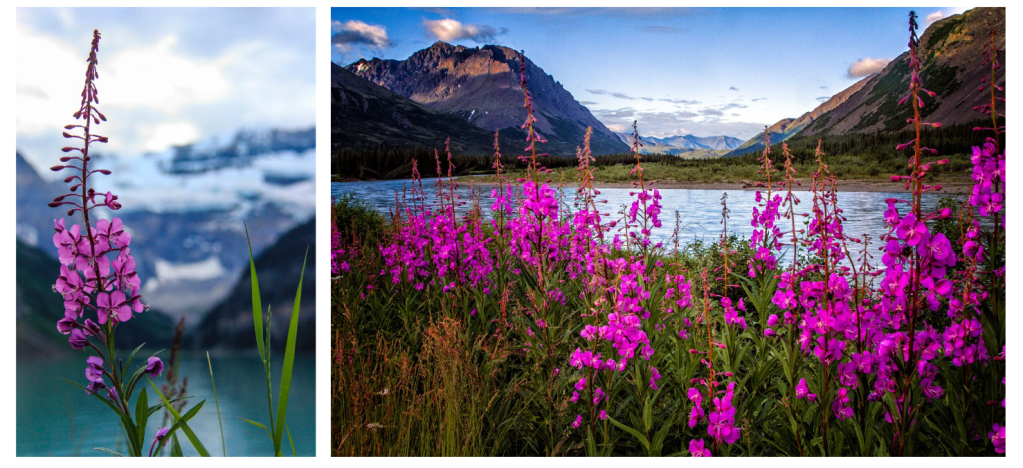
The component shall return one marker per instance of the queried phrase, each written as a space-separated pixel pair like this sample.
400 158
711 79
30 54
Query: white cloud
357 33
939 15
168 134
159 78
867 66
660 124
165 77
449 30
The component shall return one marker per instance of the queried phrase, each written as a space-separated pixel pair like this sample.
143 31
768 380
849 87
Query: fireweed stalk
97 276
921 260
765 234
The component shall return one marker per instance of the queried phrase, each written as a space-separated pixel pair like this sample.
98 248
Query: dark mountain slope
482 86
278 268
951 51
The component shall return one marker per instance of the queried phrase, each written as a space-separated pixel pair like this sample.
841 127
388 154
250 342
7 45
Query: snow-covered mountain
187 208
679 144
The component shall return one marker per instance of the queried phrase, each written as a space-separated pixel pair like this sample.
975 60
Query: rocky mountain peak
481 85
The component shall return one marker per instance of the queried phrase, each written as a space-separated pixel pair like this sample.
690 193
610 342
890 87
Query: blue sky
168 76
705 71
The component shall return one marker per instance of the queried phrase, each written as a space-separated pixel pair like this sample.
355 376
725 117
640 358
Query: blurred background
211 116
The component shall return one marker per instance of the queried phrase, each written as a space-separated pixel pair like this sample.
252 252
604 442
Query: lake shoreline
851 185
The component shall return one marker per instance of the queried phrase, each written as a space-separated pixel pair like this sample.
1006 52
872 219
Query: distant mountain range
787 128
481 86
680 144
238 150
229 324
952 50
434 93
187 208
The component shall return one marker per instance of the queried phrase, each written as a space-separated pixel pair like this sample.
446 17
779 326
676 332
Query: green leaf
104 400
134 380
141 416
131 357
101 449
648 411
591 444
176 447
257 306
659 437
159 406
254 423
293 452
179 420
636 434
289 363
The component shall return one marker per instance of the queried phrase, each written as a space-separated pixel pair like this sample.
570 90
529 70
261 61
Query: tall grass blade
257 306
291 442
217 402
289 363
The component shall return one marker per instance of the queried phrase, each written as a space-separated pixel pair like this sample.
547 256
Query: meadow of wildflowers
97 279
555 326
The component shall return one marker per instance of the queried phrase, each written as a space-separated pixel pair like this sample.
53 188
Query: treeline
880 146
876 150
384 163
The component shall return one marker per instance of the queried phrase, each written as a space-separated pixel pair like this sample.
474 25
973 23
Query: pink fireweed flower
697 449
801 389
581 384
654 378
997 436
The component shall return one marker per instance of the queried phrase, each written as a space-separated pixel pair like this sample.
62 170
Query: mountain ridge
951 52
365 114
787 128
482 85
680 144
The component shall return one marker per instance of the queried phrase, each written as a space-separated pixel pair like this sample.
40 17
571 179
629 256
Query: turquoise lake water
55 418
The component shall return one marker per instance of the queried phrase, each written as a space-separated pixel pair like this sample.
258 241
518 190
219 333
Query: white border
323 339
